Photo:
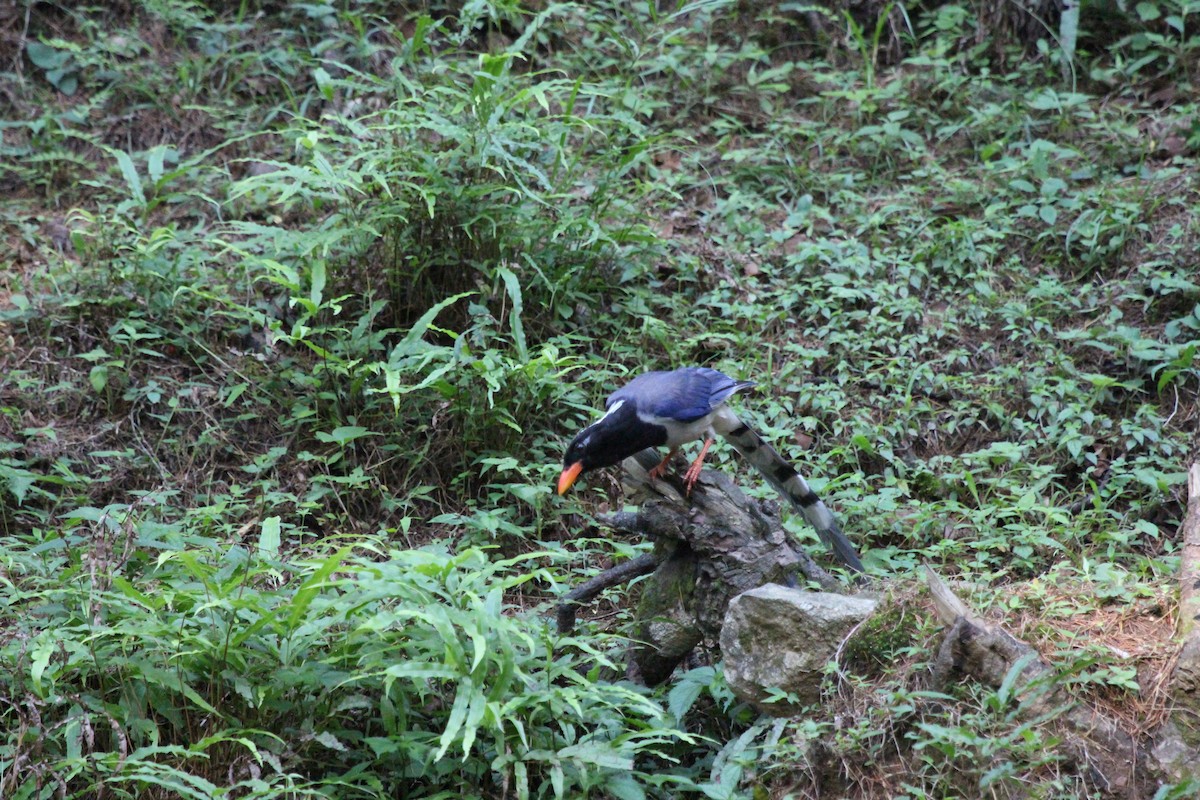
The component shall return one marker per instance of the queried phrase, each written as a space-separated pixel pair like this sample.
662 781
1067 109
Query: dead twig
587 591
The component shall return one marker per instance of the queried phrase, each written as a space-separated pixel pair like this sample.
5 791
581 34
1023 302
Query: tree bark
1189 562
1177 745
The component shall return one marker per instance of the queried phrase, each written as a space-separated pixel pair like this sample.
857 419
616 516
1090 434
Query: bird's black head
615 437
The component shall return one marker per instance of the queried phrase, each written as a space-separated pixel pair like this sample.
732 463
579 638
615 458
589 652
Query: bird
676 407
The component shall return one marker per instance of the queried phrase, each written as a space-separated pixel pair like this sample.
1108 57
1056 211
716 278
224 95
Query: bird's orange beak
568 476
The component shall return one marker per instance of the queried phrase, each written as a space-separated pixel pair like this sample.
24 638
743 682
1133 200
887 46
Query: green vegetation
302 302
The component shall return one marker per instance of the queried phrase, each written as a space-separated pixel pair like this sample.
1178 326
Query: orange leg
693 473
658 471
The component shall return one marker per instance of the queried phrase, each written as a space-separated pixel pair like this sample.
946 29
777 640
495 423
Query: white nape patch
615 407
585 436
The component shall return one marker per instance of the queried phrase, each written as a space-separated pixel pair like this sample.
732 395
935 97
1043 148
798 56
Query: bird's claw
660 470
693 473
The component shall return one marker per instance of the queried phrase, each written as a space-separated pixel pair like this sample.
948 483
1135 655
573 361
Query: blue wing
684 395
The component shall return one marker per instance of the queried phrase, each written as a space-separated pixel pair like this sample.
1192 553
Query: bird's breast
680 433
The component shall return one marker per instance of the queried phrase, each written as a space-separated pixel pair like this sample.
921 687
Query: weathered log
983 652
718 520
1177 748
1189 563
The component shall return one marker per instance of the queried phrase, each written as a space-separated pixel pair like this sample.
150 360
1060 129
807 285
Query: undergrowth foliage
406 666
304 300
443 217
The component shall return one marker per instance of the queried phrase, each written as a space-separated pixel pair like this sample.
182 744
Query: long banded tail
789 483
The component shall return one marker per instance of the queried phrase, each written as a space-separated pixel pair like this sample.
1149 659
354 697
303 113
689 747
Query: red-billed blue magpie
685 405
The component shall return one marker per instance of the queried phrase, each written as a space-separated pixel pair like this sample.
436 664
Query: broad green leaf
17 480
268 538
685 692
73 733
154 162
232 393
475 714
330 741
601 754
46 57
313 584
422 325
98 377
133 593
521 777
624 786
513 287
458 715
317 287
130 174
40 661
1148 12
344 434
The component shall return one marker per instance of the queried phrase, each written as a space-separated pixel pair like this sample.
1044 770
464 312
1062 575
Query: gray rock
1177 744
1175 756
780 638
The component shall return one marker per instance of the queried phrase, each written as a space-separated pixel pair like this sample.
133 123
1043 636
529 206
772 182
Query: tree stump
709 547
